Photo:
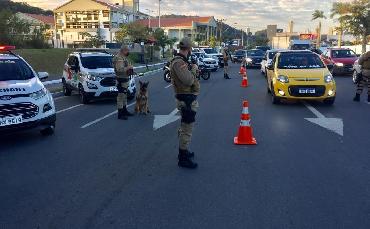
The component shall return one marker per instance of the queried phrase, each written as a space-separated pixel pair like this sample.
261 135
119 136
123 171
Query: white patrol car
91 73
24 101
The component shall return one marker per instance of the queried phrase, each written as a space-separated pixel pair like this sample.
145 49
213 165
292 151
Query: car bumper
41 123
305 92
347 69
110 91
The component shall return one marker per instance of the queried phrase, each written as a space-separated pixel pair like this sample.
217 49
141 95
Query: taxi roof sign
6 48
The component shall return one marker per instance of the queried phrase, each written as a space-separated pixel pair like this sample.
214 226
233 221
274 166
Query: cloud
255 14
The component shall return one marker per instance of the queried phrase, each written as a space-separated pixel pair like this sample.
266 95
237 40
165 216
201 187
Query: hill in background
22 7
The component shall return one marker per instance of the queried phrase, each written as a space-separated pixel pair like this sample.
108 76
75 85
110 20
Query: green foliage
23 7
261 41
133 32
212 42
318 14
92 41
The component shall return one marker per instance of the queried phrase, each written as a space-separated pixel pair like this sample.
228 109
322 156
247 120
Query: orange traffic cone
244 81
245 133
242 70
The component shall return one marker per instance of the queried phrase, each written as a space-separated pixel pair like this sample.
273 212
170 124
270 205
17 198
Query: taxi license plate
113 89
307 91
7 121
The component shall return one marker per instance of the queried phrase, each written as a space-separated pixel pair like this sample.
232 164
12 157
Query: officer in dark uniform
226 56
123 71
364 61
187 89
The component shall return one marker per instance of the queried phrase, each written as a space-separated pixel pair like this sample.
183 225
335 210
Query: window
106 25
105 13
299 61
95 62
14 69
343 53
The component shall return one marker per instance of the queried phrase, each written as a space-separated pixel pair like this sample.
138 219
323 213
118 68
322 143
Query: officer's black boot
121 115
368 99
188 154
227 76
357 98
224 75
185 161
126 112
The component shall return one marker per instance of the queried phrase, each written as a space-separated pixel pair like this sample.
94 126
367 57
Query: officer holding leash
123 71
364 61
187 89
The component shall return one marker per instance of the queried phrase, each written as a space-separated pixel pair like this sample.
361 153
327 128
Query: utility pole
242 37
159 13
149 11
221 23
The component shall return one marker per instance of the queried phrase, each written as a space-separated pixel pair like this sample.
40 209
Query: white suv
91 73
25 103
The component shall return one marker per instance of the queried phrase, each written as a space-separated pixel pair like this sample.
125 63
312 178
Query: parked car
267 59
263 48
25 103
207 61
254 57
342 60
300 75
90 72
238 56
213 53
357 70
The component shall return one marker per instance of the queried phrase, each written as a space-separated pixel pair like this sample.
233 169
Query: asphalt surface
122 174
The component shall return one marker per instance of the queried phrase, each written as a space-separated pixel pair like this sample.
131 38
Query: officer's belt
187 98
122 80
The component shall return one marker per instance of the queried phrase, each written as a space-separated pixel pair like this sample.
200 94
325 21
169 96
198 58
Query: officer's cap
185 43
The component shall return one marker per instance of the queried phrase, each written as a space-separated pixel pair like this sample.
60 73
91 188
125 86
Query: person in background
364 61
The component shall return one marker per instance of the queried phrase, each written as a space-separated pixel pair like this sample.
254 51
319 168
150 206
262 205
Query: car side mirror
43 75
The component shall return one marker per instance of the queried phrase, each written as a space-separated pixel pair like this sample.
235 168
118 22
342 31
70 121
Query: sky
253 14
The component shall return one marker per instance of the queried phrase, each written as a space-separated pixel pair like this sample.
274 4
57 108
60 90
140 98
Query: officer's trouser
186 128
365 80
226 67
122 94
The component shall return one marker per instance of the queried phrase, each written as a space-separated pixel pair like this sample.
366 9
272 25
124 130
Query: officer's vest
366 64
120 74
179 87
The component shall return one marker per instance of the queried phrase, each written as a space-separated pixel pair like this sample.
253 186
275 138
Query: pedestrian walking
364 61
123 70
226 57
187 88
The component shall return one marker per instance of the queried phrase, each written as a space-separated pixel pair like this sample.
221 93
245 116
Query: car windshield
94 62
198 54
256 52
299 61
271 55
263 48
343 53
14 69
240 52
210 51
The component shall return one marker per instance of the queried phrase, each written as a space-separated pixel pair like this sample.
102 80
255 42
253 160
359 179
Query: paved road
122 174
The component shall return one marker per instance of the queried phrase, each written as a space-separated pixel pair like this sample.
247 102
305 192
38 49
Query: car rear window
256 52
95 62
14 69
240 52
299 61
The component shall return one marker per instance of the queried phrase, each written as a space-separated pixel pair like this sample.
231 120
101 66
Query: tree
92 40
355 17
162 39
212 42
318 14
133 32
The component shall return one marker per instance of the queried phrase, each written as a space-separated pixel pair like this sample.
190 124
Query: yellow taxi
300 75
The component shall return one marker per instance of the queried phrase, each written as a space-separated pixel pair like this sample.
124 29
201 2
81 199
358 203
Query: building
197 28
38 22
282 40
97 17
271 32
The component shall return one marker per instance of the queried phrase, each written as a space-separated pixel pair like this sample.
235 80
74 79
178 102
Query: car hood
349 60
101 71
15 87
208 59
304 73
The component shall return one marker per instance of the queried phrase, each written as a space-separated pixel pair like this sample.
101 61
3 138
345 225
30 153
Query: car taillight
7 48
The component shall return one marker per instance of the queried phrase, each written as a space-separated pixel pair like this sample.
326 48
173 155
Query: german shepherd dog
142 99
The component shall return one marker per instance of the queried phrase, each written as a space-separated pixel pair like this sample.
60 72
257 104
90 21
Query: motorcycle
204 73
166 74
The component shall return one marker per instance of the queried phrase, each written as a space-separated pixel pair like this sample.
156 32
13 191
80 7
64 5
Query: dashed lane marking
69 108
170 85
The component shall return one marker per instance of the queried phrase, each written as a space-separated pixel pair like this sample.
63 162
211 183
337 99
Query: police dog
142 99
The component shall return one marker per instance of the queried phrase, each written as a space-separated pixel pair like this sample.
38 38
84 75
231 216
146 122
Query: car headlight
39 94
283 79
328 78
339 64
93 77
249 60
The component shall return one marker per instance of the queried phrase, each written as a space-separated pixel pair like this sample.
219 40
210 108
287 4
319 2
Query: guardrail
52 82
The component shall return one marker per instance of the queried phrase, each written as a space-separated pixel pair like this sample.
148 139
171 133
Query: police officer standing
226 57
364 61
187 89
123 70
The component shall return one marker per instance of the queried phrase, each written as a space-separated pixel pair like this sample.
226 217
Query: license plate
7 121
307 91
113 89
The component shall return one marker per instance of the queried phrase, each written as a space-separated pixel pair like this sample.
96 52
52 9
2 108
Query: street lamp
149 11
159 13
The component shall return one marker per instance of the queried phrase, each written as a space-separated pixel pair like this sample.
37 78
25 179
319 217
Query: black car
254 57
263 48
238 56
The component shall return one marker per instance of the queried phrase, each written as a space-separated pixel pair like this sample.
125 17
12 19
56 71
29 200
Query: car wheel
66 90
48 130
83 96
274 99
329 101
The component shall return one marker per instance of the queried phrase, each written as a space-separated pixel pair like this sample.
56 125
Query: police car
90 72
24 101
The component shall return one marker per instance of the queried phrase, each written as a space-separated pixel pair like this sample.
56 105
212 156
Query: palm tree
340 9
318 14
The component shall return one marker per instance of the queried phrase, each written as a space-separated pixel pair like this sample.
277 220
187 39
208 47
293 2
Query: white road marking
69 108
335 125
163 120
102 118
170 85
